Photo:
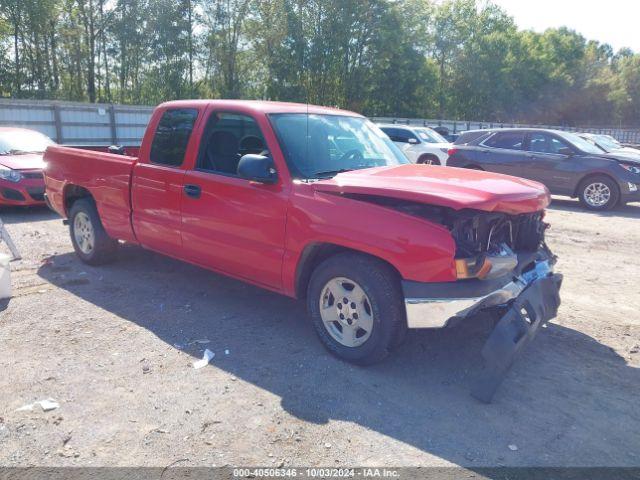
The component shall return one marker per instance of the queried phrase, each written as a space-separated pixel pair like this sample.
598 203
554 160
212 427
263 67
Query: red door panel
235 227
156 197
168 148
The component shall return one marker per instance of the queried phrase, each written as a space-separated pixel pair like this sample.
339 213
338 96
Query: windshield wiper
331 173
15 152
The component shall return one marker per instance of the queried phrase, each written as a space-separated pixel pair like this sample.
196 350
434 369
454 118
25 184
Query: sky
616 22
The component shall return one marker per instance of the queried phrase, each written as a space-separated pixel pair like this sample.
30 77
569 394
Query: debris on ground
46 405
513 448
110 409
206 358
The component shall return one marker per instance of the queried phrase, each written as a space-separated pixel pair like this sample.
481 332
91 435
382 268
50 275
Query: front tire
599 193
357 307
89 238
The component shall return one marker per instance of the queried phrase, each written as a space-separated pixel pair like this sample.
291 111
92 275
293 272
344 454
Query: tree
424 58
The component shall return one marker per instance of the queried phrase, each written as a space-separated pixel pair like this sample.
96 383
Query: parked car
445 133
318 204
21 166
419 144
608 144
564 162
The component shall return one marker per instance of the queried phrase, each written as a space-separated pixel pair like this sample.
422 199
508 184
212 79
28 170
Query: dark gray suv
565 163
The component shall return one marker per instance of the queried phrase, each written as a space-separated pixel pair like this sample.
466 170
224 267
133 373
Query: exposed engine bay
476 232
481 232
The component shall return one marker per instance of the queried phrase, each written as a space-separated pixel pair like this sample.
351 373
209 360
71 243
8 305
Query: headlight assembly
631 168
9 174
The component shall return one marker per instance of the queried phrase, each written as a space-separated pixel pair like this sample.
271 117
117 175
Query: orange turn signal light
472 268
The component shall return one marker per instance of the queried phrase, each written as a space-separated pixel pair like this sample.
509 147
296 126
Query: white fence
78 123
108 124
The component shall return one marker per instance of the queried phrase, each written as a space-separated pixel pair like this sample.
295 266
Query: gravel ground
114 346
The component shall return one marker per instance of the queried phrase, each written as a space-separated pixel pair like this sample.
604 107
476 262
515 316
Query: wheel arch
73 193
428 155
316 253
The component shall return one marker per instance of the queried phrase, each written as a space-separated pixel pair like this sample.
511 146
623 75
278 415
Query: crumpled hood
28 161
455 188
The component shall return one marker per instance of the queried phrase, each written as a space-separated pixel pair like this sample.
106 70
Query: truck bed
106 176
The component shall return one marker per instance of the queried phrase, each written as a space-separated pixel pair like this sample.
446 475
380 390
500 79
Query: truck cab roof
260 106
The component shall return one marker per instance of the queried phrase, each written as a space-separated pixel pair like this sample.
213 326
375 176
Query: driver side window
545 143
227 137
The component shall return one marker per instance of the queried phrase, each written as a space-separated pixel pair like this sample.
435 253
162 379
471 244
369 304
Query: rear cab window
172 136
506 140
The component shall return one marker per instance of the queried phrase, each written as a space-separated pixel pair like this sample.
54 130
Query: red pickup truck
318 204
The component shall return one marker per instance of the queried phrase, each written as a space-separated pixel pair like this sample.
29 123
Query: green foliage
413 58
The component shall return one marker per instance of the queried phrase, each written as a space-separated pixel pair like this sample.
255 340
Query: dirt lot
115 345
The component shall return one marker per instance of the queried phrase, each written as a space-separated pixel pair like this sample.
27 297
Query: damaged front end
488 244
502 262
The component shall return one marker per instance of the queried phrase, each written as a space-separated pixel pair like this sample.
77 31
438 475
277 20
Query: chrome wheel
346 312
597 194
83 233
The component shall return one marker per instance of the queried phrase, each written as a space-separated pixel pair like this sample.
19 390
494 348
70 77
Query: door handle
193 191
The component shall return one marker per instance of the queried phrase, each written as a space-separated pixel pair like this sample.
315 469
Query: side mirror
566 151
117 150
257 168
412 141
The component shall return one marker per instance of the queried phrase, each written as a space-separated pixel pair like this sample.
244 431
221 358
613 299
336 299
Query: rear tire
372 321
89 239
428 159
599 193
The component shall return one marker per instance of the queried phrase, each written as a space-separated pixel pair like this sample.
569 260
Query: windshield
592 141
581 143
607 143
16 142
321 146
430 136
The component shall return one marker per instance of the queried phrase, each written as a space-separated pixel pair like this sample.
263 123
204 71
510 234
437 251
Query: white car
608 143
419 144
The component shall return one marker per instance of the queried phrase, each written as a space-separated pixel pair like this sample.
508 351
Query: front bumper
630 191
26 192
437 305
528 313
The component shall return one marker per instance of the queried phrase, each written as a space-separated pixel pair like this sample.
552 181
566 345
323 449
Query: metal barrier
110 124
78 123
623 135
